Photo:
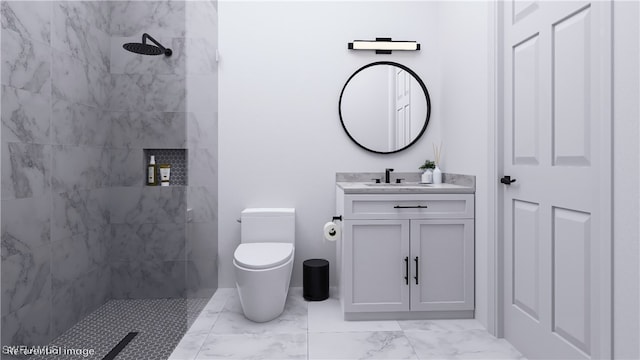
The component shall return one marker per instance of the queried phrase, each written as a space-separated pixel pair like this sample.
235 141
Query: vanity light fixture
383 45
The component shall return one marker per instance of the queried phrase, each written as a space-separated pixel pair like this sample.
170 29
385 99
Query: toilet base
263 293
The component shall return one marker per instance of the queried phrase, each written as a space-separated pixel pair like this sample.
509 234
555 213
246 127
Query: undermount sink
399 185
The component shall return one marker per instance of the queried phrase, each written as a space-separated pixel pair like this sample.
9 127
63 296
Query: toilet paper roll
331 231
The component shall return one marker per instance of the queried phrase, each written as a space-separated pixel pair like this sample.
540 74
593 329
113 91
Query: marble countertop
405 188
362 183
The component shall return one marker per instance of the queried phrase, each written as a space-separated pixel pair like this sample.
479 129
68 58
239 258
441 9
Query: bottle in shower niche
151 172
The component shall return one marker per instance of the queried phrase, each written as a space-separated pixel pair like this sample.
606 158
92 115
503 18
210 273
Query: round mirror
384 107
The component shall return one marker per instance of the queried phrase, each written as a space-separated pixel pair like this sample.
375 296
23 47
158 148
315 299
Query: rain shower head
143 49
147 49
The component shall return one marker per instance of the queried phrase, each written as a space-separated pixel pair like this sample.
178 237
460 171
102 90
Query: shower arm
146 36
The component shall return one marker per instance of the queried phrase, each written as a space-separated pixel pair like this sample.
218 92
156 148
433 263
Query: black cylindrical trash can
315 279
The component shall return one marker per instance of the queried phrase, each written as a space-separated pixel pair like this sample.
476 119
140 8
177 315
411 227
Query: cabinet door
374 266
442 265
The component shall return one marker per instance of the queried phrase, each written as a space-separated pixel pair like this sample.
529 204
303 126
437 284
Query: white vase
427 177
437 175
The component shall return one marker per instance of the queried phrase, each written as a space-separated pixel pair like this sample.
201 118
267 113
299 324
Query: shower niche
176 158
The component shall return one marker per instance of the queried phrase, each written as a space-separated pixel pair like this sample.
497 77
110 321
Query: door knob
507 180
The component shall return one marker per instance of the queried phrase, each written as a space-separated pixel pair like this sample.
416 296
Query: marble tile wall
79 160
26 80
79 226
147 242
147 109
55 88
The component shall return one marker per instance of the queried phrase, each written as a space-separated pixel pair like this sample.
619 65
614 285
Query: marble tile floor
160 324
315 330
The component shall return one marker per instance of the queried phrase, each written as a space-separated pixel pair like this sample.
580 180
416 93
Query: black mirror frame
415 76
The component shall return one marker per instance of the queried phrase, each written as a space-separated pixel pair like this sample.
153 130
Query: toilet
264 260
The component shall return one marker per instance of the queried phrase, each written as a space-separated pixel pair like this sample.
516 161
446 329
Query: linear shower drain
120 346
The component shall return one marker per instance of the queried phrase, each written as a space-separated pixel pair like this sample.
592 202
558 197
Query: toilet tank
268 225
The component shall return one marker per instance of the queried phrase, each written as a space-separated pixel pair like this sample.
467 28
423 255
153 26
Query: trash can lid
316 263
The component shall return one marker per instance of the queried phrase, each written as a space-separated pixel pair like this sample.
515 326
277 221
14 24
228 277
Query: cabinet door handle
410 207
406 269
417 272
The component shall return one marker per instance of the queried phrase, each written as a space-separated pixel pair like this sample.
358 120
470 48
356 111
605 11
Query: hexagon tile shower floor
160 324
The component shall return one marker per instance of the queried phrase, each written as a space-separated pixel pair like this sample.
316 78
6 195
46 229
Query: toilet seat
262 255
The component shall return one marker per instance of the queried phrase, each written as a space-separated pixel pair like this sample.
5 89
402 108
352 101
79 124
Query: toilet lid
263 255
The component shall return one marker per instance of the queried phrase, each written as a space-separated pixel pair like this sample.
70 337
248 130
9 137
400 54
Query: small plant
428 164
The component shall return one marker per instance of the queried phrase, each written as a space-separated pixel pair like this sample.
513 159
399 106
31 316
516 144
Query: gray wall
282 67
626 180
464 103
55 165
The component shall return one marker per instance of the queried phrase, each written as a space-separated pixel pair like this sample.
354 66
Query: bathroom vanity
407 250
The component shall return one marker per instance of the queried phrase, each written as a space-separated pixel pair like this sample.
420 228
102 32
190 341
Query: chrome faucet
387 173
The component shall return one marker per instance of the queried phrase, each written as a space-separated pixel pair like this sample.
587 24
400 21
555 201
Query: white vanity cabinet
442 256
375 260
406 255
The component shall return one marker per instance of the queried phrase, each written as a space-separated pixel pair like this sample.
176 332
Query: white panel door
557 145
403 107
376 265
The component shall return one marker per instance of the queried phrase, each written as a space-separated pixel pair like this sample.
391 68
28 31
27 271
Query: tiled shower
79 225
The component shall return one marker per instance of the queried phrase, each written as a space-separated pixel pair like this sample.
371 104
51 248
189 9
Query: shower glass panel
92 257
